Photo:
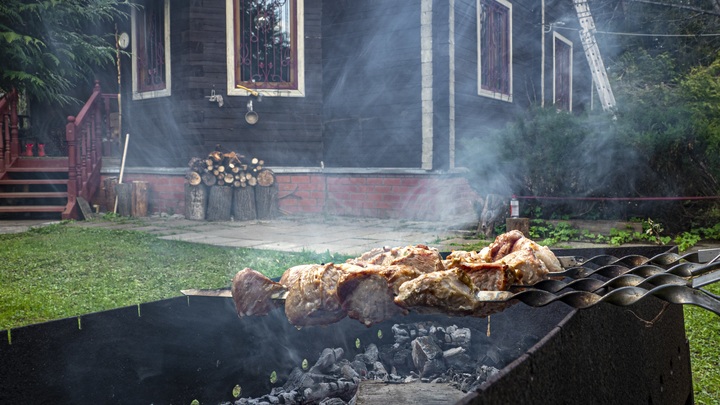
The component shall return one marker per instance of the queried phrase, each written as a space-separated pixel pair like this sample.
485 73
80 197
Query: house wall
170 130
371 83
384 89
391 195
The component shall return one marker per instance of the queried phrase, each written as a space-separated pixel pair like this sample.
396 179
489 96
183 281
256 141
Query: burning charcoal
458 359
359 367
348 372
455 336
400 333
343 389
297 380
332 401
427 356
379 372
327 360
370 356
484 372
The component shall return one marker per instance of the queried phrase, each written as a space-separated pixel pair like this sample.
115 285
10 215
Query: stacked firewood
226 185
229 169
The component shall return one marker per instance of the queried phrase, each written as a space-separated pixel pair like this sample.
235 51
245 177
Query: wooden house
359 105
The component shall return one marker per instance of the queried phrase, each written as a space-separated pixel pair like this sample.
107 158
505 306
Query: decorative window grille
151 49
562 76
267 47
495 49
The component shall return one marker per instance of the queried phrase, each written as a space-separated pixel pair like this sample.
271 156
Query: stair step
36 169
32 208
30 194
46 161
22 182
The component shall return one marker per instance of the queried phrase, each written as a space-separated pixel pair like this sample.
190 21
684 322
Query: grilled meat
420 257
508 243
387 282
312 297
368 293
252 291
450 292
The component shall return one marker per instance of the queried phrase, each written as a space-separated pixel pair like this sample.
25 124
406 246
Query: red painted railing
9 144
84 133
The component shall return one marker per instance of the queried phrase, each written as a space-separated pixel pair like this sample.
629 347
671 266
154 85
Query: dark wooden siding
172 129
371 82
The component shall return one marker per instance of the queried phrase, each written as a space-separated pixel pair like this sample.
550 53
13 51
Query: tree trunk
196 199
266 201
219 204
244 204
139 207
124 199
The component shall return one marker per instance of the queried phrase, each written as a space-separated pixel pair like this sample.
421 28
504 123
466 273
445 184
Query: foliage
48 47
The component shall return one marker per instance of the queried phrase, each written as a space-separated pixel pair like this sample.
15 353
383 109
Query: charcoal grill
177 350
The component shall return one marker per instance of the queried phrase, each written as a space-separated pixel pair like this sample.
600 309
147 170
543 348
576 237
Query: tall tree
47 47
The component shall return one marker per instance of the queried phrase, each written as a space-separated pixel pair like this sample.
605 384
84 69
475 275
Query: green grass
61 271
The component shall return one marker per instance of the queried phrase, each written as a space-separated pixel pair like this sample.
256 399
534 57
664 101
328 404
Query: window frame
230 29
558 37
137 94
491 93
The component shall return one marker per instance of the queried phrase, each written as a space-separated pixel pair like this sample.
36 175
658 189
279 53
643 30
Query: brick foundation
397 196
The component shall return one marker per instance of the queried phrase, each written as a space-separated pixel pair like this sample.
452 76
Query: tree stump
219 206
196 199
244 204
124 199
139 207
266 201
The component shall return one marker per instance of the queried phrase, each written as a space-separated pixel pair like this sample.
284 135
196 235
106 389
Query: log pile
226 185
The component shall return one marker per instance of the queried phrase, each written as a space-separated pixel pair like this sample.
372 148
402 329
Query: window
495 49
266 47
562 72
151 49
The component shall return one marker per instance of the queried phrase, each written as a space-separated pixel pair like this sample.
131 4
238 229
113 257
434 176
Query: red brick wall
403 196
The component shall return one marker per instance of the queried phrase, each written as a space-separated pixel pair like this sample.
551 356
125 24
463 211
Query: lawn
62 271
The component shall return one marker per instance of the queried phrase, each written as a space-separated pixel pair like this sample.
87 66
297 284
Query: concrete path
345 235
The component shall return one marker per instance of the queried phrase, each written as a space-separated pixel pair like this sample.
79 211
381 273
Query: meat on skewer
252 293
385 282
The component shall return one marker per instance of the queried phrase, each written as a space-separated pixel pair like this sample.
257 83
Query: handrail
9 123
84 133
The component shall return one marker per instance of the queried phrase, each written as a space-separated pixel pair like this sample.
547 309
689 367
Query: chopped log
139 207
244 204
196 198
109 185
124 199
194 178
216 156
266 201
209 179
265 178
252 181
254 161
228 178
219 206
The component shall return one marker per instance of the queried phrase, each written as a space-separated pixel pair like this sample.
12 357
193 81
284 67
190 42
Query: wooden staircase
42 187
34 188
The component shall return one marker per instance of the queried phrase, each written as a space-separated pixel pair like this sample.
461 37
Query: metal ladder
592 52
